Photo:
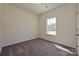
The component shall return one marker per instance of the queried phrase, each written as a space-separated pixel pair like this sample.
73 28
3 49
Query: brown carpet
36 47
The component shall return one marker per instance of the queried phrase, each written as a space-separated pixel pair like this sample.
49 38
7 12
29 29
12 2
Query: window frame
47 26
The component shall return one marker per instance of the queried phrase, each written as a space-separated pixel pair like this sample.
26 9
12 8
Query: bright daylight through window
51 26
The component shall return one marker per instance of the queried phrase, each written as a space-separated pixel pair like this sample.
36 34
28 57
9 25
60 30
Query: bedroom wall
0 27
66 25
18 25
78 7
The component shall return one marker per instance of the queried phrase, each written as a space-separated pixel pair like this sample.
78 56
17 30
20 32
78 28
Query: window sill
50 35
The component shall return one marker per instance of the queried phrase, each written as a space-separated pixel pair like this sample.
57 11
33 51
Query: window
51 26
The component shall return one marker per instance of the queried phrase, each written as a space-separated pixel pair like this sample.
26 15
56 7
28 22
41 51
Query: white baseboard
7 44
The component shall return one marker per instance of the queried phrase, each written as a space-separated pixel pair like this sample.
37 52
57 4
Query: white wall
0 27
66 25
18 25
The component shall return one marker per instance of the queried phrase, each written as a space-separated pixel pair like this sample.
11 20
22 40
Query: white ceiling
37 8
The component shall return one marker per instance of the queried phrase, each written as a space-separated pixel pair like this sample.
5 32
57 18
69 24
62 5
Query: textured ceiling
37 8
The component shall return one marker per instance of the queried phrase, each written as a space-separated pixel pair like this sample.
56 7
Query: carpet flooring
36 47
